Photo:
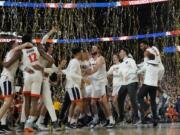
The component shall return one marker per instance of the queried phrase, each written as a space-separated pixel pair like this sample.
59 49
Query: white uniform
46 93
152 73
158 59
7 76
86 92
99 80
129 71
117 78
32 82
73 80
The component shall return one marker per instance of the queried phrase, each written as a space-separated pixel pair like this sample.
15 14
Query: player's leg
121 99
132 92
108 111
115 99
72 96
142 93
66 104
8 94
94 109
47 99
152 94
35 95
78 107
27 93
48 103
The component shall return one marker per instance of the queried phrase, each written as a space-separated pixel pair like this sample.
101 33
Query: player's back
31 56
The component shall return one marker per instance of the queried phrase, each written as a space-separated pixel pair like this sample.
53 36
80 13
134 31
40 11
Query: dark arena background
90 23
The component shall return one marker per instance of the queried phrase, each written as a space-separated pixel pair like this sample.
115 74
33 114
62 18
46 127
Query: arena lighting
76 5
103 39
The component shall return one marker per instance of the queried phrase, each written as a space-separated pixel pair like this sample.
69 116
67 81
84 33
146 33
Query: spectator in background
178 106
57 105
171 114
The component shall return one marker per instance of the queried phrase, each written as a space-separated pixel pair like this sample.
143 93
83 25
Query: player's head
49 48
77 53
123 53
95 50
144 45
151 54
27 38
12 44
115 59
85 54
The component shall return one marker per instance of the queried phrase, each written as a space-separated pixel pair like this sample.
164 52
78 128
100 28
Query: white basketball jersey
117 76
11 71
101 74
30 57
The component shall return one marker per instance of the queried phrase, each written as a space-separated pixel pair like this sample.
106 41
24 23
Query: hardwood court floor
162 129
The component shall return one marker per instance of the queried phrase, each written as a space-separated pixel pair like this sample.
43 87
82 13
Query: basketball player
130 77
145 47
11 64
86 91
46 92
150 85
73 84
32 81
99 81
117 80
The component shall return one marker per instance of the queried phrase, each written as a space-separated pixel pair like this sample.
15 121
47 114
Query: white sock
95 118
88 114
73 121
40 119
3 120
81 116
31 119
23 116
69 119
111 120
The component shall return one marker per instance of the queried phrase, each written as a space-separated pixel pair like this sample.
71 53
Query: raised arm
23 46
46 37
46 56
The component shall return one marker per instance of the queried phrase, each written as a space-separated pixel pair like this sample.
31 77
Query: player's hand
38 67
28 70
87 81
59 72
62 64
88 71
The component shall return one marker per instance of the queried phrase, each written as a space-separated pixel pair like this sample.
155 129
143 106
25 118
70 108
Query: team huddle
86 85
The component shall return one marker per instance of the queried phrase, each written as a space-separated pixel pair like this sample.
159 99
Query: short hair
126 50
27 38
151 56
76 50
